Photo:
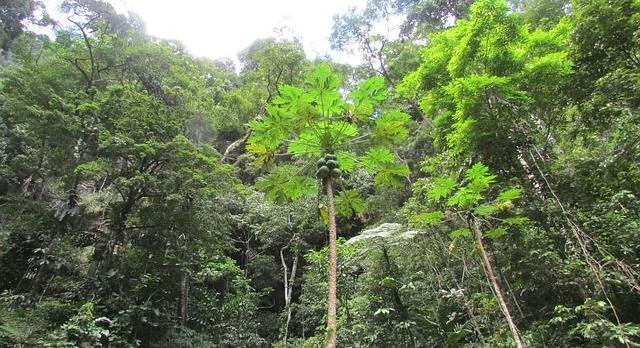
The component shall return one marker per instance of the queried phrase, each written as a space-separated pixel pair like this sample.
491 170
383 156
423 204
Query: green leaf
346 161
427 219
509 194
323 87
264 156
486 209
377 158
322 138
460 233
495 233
392 174
516 220
464 198
349 202
442 187
479 177
272 129
390 128
283 185
367 96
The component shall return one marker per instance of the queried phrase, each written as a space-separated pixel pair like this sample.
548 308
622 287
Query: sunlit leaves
349 202
427 219
323 91
442 187
509 194
479 177
377 158
460 233
486 209
516 220
346 160
393 174
495 233
283 184
272 129
388 170
390 127
369 94
312 122
263 155
458 200
294 101
322 79
324 136
464 198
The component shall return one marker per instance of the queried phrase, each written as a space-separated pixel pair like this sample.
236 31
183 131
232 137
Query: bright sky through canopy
215 28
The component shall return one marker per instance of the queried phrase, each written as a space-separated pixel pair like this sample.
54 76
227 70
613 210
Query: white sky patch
222 28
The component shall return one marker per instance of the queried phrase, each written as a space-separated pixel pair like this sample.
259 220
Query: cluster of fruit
328 166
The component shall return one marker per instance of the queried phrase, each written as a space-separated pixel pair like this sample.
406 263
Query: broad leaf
460 233
377 158
496 233
427 219
509 194
486 209
369 94
516 220
349 202
442 187
283 184
390 128
479 177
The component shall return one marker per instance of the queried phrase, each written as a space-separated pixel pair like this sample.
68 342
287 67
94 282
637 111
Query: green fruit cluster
328 166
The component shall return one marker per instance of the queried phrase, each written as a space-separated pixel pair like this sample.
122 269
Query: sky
222 28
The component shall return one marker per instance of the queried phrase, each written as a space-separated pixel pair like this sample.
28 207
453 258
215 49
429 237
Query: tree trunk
333 269
288 286
184 298
491 275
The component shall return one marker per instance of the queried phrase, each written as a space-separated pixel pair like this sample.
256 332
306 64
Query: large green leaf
272 129
509 195
323 91
442 187
391 127
479 177
460 233
427 219
377 158
322 138
283 184
369 94
349 202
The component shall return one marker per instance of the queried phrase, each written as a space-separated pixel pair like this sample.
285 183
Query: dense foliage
480 169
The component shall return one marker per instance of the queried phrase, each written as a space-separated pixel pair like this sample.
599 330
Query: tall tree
315 123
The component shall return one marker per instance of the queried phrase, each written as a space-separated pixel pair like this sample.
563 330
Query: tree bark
333 269
288 287
491 275
184 298
234 145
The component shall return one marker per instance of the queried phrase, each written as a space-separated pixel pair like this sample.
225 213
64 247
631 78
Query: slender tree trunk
289 281
184 298
333 269
495 285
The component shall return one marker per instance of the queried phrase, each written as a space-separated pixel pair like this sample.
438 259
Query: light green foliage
349 202
316 120
480 76
283 184
470 198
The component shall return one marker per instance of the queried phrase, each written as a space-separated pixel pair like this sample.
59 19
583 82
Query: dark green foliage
149 198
